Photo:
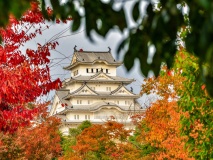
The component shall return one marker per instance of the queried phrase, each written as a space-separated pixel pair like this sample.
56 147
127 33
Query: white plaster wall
84 101
75 100
74 86
71 116
127 102
103 87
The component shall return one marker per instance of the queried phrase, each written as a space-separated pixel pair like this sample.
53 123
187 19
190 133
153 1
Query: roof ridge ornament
75 48
109 50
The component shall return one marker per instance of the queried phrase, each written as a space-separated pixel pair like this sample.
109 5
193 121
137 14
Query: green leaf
136 11
43 9
122 44
76 22
55 4
128 60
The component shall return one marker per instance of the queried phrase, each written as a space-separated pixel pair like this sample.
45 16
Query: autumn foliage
178 125
39 141
160 127
106 141
196 101
24 72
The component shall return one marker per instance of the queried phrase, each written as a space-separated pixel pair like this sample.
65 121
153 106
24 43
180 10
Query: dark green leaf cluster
12 7
84 124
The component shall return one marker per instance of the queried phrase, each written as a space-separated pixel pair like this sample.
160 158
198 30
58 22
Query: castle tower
94 92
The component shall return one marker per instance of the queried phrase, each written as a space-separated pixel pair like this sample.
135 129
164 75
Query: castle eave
102 96
117 64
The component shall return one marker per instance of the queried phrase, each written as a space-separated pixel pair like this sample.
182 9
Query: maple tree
24 73
161 130
160 127
38 141
179 124
104 141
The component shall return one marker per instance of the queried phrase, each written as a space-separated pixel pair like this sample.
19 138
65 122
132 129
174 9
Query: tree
195 101
24 73
38 141
179 124
158 134
106 141
68 141
161 130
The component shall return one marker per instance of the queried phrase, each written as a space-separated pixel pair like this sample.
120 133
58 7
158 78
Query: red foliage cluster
24 75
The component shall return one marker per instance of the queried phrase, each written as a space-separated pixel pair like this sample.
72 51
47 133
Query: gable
58 105
101 76
122 91
74 59
85 90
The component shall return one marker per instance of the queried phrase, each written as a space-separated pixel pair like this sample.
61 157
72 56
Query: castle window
117 102
126 102
108 88
97 70
76 116
92 70
87 70
79 101
87 116
106 70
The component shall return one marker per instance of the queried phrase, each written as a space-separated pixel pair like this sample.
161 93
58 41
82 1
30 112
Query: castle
94 92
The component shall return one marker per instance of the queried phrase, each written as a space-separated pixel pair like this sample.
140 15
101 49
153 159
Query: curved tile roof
97 106
81 78
91 57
